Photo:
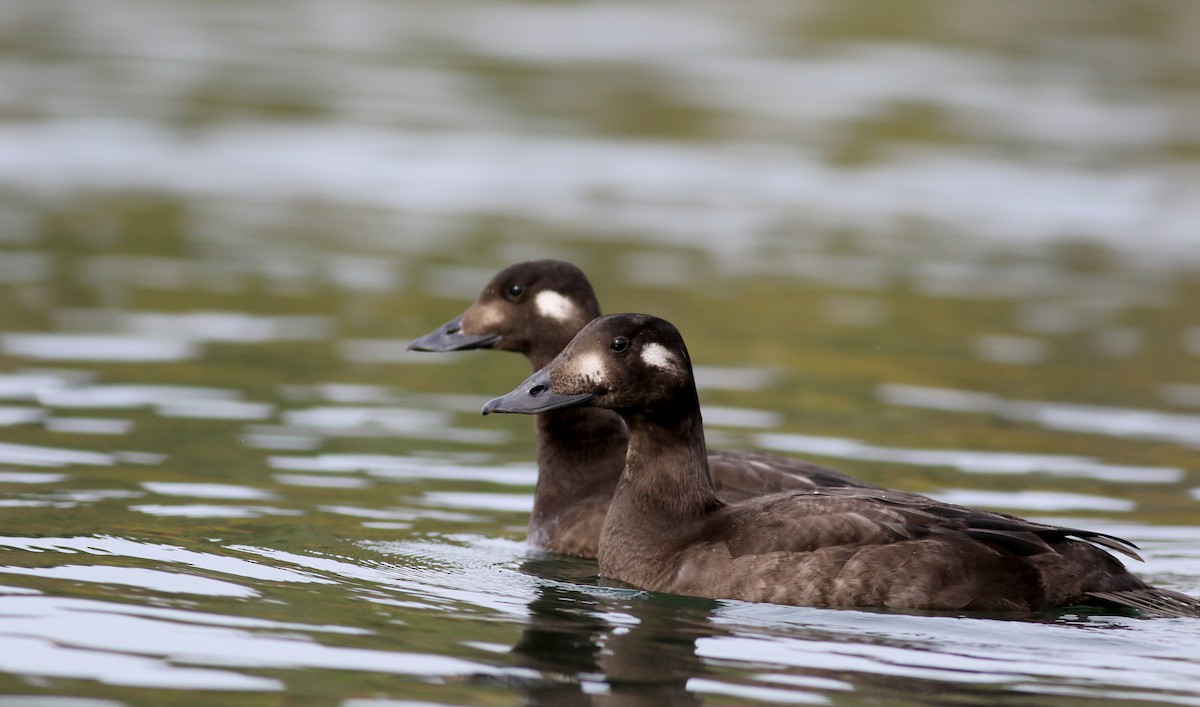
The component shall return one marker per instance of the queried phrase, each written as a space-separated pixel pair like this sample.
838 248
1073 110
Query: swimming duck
535 308
668 530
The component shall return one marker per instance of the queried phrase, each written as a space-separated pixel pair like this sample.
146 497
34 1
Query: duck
535 308
668 530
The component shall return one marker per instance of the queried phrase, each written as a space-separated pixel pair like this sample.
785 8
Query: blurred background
951 246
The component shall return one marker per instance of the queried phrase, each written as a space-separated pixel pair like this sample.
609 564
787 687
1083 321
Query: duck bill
535 395
450 337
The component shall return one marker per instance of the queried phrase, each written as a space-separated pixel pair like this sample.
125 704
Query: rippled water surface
950 247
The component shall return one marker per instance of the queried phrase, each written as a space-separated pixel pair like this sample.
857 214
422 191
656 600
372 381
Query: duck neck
545 350
666 467
581 452
539 358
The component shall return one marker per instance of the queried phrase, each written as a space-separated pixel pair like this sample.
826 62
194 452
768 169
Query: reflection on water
29 455
216 409
731 190
384 351
517 503
230 327
94 347
348 421
127 396
971 461
202 510
90 635
1036 501
952 250
320 481
940 651
194 490
1095 419
88 425
102 546
153 580
30 477
19 415
416 467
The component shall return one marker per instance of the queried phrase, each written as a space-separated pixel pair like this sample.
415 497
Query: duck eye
515 291
619 344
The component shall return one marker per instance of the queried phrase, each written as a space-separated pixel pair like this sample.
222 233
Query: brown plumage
535 308
668 530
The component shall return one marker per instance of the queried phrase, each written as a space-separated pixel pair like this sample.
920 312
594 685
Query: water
950 249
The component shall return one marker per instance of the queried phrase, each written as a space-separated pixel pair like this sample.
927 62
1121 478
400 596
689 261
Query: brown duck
535 308
668 530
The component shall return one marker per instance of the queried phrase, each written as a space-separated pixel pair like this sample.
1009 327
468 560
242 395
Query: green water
950 250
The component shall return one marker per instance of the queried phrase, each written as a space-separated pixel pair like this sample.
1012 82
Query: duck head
533 308
623 362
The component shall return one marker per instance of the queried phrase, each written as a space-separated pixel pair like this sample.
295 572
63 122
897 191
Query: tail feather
1111 542
1154 601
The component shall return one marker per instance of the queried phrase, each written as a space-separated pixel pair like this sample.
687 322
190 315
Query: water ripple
201 510
1035 500
88 425
972 461
50 456
96 347
1094 419
729 188
207 490
403 467
22 655
227 327
20 415
464 578
1097 656
156 552
314 481
508 502
30 477
75 640
154 580
132 395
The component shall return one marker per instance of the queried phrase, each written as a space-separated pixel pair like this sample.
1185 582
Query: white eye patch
554 306
658 356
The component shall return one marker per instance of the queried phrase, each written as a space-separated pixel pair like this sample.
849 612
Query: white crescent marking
553 305
658 356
